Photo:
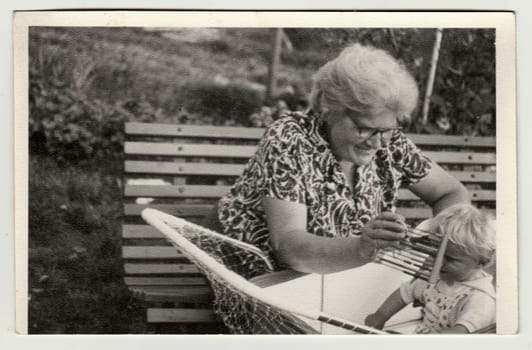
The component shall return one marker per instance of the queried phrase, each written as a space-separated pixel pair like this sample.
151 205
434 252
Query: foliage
223 102
66 124
463 99
157 67
464 91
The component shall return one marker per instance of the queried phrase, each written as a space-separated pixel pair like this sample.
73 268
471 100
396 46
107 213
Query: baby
463 300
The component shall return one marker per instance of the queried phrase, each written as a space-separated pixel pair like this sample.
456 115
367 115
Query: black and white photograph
266 173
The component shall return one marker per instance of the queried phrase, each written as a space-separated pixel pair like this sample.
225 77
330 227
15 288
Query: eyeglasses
367 133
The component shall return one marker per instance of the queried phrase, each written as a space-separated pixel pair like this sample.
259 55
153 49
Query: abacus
420 254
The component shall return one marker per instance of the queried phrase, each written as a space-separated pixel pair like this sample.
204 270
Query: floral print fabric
294 162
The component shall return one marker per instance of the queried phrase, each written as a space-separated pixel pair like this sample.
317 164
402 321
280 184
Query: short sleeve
412 290
478 312
280 158
409 162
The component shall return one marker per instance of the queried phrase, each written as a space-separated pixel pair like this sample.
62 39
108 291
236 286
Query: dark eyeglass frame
368 132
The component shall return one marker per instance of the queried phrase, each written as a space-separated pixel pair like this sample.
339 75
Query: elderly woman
319 194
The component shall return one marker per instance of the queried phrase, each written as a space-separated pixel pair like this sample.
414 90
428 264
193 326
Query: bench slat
153 269
424 213
140 231
159 315
165 281
176 294
224 132
476 195
231 151
450 140
151 252
184 130
221 169
218 169
474 176
183 210
196 191
213 191
188 150
147 231
461 157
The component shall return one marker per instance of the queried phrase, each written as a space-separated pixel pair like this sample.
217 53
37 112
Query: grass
75 270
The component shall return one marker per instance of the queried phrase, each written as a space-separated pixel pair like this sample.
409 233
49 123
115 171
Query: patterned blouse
294 162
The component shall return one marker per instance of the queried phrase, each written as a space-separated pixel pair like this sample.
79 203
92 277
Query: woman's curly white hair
366 80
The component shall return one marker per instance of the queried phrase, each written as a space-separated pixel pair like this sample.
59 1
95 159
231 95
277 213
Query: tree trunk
274 63
432 74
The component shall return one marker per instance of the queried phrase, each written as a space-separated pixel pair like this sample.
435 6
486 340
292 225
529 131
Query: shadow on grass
75 275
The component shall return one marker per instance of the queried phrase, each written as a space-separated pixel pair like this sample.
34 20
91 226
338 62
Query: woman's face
355 138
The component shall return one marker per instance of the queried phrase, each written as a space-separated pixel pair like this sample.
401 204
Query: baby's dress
469 303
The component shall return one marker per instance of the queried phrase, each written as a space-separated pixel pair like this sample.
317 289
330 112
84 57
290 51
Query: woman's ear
316 100
319 106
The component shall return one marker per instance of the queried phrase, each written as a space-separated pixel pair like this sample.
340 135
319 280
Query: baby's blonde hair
469 228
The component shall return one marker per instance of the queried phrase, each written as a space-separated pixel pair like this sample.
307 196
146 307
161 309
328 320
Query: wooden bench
185 169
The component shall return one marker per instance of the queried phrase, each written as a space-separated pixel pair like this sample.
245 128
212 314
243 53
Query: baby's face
457 266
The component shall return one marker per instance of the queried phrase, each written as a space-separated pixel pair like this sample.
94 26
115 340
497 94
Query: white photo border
506 131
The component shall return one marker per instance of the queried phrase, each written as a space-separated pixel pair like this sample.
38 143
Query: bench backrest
184 169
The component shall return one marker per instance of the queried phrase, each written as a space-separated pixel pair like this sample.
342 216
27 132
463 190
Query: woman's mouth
364 150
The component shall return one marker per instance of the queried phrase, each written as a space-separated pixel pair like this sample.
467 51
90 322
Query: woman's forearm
309 253
460 195
306 252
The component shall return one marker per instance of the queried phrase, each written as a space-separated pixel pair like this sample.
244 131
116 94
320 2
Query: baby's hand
375 321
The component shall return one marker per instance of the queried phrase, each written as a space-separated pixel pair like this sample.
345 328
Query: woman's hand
385 230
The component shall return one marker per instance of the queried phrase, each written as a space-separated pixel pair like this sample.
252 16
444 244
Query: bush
65 124
464 91
463 98
66 121
231 102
